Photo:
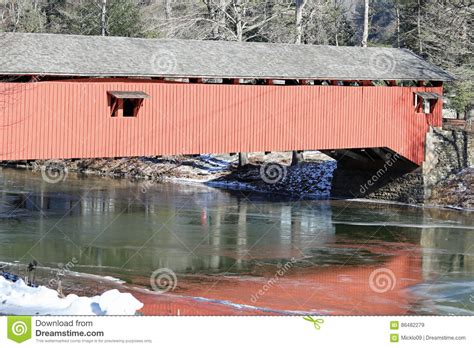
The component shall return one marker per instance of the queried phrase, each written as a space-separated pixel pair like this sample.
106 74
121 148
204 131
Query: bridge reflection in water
231 250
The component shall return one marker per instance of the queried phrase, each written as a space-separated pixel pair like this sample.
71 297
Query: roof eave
111 75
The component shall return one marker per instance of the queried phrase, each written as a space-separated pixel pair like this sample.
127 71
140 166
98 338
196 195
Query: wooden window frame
420 104
117 100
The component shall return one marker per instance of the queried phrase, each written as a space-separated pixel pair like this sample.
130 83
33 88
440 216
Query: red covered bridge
66 96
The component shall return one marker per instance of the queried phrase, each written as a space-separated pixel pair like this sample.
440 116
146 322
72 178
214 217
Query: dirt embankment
269 173
457 191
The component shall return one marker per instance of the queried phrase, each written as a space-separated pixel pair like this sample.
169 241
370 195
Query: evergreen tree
441 32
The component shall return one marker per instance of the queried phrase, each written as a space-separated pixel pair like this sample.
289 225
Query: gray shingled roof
74 55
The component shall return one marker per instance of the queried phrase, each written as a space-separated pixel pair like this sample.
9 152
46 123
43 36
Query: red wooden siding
65 119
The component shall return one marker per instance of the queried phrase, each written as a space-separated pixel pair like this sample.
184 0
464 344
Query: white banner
84 331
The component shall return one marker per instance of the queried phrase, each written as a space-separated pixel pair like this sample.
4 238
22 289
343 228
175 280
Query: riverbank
303 288
265 173
456 191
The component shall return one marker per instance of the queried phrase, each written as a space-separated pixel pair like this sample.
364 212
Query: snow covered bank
19 299
309 179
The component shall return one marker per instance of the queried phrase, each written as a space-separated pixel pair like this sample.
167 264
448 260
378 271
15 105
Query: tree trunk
418 27
299 20
103 20
321 30
397 9
168 9
238 20
218 15
365 34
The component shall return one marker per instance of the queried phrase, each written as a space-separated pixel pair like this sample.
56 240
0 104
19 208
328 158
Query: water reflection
124 229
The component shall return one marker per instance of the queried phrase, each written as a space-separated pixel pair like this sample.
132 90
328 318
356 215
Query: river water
260 251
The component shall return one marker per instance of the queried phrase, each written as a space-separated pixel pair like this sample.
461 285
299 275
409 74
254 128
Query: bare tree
22 15
103 18
300 5
418 27
397 16
168 9
365 34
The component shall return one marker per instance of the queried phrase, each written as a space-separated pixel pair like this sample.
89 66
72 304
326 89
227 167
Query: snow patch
19 299
309 179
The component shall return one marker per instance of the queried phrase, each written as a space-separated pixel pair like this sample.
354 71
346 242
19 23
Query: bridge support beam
243 159
390 176
296 157
377 177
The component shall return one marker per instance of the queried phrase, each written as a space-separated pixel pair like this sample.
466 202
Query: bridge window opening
126 104
426 106
130 107
425 102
